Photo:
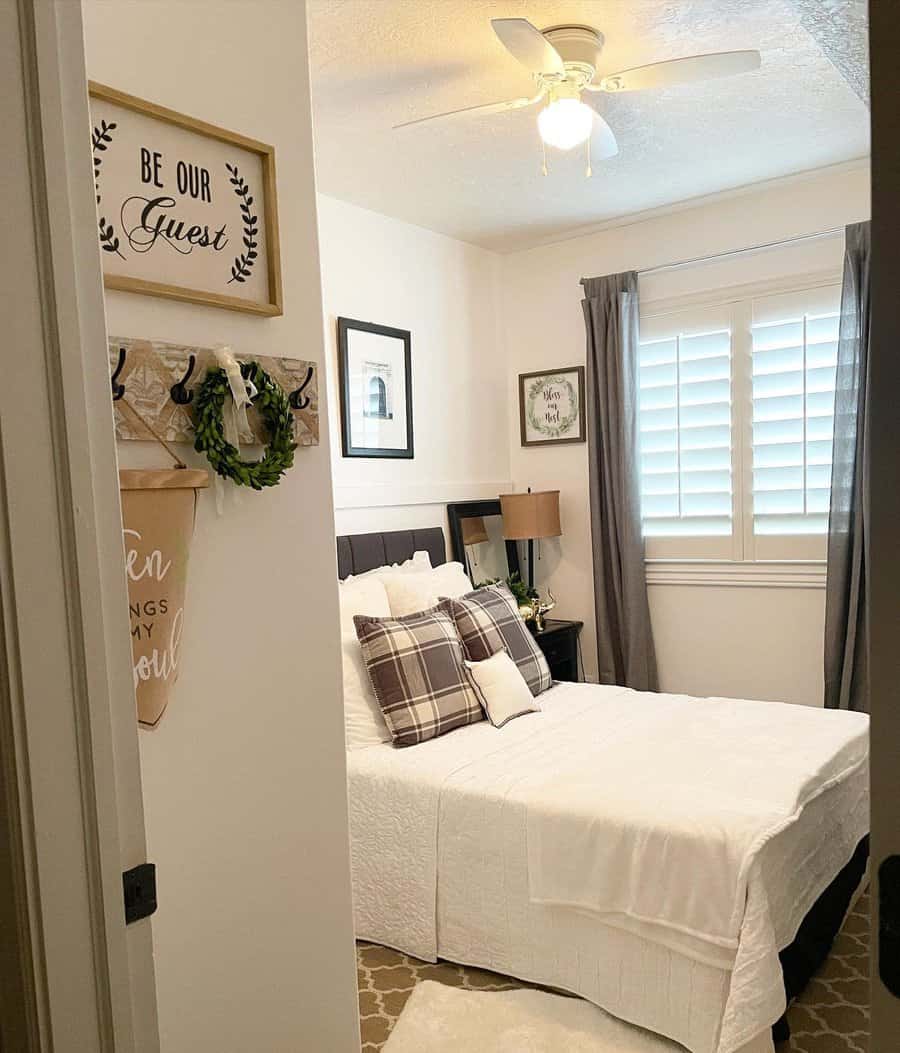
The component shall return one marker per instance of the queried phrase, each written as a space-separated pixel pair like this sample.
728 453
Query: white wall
244 780
744 641
379 269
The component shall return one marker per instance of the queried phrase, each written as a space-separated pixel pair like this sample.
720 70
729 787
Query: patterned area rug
831 1016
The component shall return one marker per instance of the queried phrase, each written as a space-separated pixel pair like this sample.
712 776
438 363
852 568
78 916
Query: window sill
796 574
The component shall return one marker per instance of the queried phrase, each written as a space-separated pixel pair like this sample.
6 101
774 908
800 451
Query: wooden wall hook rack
159 379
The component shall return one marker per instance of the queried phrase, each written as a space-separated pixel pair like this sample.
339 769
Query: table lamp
530 516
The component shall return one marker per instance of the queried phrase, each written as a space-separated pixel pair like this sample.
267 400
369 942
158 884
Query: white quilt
741 813
664 807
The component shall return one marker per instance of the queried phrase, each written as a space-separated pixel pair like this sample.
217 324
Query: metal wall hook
246 371
296 398
180 395
118 390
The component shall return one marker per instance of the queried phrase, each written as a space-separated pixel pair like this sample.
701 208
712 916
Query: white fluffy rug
442 1019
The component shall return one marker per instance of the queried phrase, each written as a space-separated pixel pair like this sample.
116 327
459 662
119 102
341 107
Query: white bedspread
454 839
665 803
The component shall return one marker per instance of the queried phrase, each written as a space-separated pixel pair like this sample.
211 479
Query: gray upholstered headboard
357 553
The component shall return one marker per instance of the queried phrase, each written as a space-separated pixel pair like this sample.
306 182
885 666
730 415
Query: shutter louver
794 342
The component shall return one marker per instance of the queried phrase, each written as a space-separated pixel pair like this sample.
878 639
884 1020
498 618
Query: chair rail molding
386 495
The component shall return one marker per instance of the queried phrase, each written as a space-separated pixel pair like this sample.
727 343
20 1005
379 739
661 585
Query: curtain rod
742 252
737 252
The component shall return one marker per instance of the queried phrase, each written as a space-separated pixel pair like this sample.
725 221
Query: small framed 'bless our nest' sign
551 406
185 209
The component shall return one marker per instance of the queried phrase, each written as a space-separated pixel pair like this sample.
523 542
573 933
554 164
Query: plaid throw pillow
488 620
418 673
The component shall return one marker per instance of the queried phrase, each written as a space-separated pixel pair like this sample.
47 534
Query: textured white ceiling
378 62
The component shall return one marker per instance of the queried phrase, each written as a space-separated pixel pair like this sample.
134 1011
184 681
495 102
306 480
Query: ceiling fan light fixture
565 123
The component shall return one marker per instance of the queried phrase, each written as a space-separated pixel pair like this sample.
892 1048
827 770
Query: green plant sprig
521 593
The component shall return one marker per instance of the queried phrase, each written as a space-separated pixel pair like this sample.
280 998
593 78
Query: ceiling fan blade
528 45
679 71
491 107
603 140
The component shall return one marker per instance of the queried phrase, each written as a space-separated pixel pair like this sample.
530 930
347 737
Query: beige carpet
831 1016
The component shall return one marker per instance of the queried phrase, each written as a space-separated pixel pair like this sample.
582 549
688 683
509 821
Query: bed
461 846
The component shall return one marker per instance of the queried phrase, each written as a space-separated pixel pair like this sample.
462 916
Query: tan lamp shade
531 515
474 531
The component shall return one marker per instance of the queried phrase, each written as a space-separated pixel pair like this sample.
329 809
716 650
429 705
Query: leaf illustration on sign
243 264
99 142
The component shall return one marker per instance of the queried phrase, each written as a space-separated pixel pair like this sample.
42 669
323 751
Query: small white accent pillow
363 722
413 593
504 688
362 596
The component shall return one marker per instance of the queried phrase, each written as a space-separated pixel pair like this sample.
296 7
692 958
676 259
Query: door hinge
139 886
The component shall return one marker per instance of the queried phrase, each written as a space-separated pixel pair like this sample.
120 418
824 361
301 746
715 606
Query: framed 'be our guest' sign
184 209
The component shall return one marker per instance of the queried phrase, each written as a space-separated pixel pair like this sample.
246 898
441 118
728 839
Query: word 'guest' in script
149 219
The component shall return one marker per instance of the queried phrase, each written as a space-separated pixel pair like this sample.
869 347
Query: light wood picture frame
186 210
551 407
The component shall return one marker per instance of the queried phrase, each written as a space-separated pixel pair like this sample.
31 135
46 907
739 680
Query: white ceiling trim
859 164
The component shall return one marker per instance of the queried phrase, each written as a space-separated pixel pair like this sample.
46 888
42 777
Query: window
735 418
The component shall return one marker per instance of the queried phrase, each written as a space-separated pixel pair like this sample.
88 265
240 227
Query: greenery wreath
274 408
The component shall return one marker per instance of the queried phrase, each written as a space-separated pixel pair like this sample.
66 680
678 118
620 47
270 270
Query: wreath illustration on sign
559 429
274 408
243 264
100 140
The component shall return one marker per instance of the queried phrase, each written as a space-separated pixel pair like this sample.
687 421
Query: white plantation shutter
794 357
735 418
685 424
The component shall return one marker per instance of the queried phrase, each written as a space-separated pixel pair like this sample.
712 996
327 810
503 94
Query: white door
73 976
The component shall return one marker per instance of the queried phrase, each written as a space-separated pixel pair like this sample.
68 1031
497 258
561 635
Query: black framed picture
376 389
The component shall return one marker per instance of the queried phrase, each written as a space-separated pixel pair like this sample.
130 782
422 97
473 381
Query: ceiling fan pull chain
543 157
588 171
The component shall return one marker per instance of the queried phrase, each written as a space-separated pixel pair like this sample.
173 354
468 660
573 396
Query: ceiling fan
563 61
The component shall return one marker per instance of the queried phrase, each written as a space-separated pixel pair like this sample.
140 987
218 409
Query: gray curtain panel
625 649
846 608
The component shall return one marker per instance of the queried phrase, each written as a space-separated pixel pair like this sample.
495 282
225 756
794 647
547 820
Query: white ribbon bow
234 413
237 427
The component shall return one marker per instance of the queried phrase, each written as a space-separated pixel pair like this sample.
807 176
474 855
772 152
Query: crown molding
857 164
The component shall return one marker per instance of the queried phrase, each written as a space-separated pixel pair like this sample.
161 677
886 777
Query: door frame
883 501
72 976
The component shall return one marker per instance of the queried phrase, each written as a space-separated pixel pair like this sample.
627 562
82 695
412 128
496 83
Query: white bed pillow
503 687
362 595
363 723
412 593
416 564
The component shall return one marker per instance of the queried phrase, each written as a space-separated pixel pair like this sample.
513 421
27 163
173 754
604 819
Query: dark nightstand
559 642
